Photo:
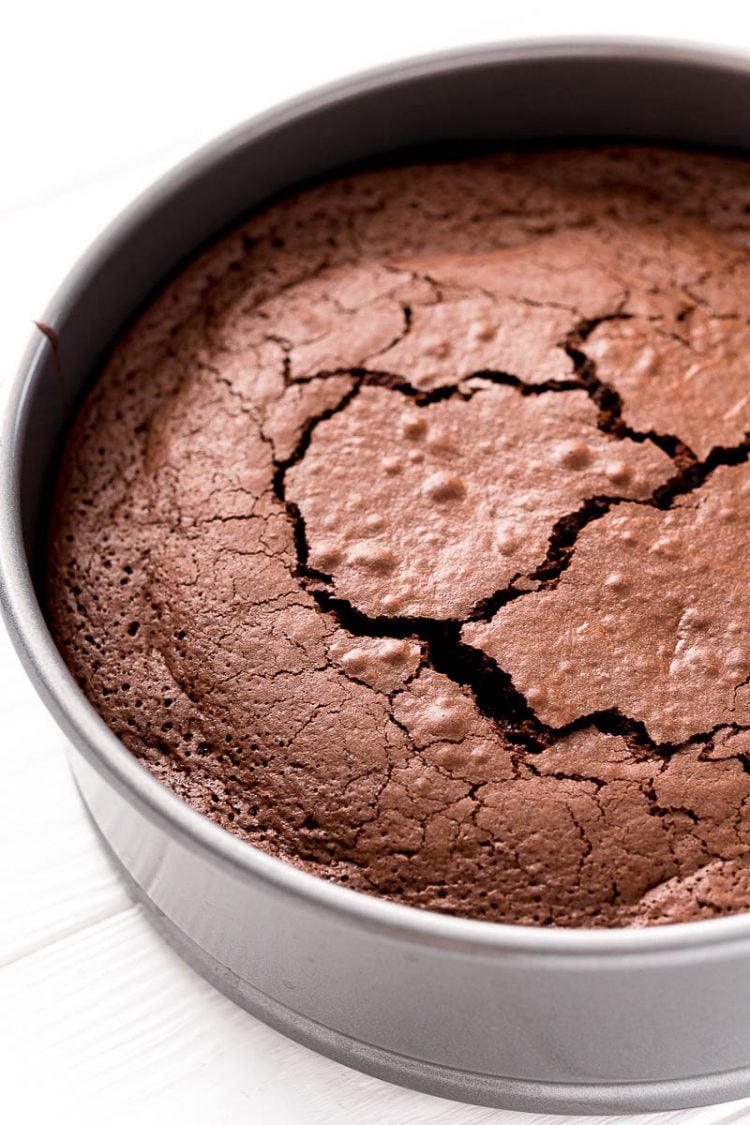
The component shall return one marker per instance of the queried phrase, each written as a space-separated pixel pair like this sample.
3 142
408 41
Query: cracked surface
405 535
485 512
700 371
648 619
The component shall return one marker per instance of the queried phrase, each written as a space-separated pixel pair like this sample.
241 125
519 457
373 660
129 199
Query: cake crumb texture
405 535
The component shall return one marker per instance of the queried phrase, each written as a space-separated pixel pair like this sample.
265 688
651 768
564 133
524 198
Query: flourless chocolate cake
406 535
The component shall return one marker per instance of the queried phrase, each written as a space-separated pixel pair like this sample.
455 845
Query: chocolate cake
406 535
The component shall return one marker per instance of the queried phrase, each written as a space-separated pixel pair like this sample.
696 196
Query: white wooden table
99 1020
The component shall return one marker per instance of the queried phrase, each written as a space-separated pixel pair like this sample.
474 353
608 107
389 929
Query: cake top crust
405 535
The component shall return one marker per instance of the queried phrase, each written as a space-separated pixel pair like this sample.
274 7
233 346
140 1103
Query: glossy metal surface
566 1021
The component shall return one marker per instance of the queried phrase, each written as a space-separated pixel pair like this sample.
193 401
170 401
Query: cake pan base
464 1086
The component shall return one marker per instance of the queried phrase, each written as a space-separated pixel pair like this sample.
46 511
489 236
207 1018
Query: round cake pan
535 1019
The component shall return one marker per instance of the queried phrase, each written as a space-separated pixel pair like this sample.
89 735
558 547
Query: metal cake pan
535 1019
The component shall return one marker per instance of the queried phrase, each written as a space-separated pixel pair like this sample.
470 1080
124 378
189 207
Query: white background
98 1019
